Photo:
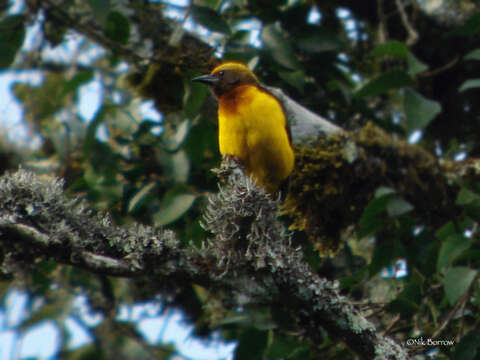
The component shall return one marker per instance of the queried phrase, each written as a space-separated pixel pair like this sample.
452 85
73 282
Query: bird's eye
221 73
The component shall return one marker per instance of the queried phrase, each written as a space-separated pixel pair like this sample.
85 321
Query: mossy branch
250 259
337 176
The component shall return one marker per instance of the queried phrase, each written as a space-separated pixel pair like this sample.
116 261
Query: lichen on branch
249 260
250 239
243 218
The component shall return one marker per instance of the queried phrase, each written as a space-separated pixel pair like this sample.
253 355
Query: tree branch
345 169
250 258
150 33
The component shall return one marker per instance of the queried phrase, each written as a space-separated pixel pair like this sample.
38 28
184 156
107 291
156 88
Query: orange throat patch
237 97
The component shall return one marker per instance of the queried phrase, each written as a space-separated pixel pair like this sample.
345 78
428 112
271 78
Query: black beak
206 79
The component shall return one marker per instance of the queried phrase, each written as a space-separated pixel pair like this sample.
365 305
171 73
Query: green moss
335 179
316 191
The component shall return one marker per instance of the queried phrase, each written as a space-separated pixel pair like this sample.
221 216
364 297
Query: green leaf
384 203
117 27
202 140
294 78
211 19
417 277
403 306
391 80
235 319
175 203
12 34
143 135
406 303
415 66
93 126
278 47
283 347
466 197
383 191
398 206
100 9
468 347
451 249
473 55
194 97
384 255
446 230
47 312
140 196
419 110
79 79
54 309
470 201
178 165
395 49
240 37
399 50
41 276
470 255
251 345
317 40
470 28
457 281
210 3
371 219
174 138
41 102
469 84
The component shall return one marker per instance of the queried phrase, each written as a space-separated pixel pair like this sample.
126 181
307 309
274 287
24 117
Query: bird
252 124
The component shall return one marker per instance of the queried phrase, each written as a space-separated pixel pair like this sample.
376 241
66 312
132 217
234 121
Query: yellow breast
252 127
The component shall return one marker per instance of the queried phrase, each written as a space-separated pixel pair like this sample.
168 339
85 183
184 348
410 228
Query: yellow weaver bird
252 125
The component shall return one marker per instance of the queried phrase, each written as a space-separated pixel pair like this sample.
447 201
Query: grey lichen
37 208
388 349
243 218
251 243
250 259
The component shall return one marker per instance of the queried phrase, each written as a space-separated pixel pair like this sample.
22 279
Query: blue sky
42 340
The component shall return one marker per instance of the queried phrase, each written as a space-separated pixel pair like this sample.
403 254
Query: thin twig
459 304
392 324
412 33
382 27
442 68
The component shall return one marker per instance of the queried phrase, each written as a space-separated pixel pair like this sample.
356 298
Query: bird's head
227 76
